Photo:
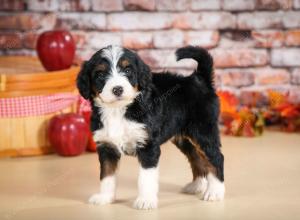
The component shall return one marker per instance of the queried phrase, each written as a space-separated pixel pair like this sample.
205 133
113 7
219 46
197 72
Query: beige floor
262 179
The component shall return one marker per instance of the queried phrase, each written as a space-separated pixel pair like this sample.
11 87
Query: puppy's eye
127 70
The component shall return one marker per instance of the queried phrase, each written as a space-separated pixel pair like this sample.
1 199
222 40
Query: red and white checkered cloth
39 105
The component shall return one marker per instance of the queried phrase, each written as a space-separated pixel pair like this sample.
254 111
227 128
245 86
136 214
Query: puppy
135 111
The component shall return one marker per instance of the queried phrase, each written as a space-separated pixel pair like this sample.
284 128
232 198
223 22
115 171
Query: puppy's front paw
101 199
145 203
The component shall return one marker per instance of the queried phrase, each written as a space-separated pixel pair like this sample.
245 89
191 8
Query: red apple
68 134
56 49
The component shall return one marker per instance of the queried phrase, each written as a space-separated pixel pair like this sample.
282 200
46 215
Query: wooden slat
33 131
5 133
12 94
49 84
17 133
41 76
20 64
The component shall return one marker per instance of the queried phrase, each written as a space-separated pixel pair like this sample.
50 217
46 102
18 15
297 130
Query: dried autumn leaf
276 98
228 101
290 112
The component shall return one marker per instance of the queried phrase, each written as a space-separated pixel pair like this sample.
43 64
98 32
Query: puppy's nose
117 91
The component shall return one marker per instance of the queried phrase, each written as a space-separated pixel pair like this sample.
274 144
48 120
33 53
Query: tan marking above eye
124 63
101 67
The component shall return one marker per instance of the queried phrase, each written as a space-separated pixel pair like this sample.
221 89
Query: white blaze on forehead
116 78
113 54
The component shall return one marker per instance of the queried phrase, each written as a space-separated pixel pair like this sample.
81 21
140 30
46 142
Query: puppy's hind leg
207 141
198 165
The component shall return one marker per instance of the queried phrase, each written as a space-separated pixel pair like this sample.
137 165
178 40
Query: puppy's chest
124 134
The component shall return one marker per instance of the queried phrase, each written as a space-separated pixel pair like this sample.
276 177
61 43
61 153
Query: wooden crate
25 76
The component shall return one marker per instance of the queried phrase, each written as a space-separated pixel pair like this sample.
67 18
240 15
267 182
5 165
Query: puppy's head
113 76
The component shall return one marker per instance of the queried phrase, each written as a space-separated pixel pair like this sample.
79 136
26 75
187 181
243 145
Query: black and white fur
135 111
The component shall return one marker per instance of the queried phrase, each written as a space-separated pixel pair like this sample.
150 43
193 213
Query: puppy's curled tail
203 58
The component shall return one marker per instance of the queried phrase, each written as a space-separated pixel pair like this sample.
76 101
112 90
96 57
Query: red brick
165 59
172 5
18 21
292 38
260 20
268 39
238 5
168 39
42 5
274 4
10 22
148 5
291 19
137 40
205 5
237 77
27 21
239 57
207 39
285 57
12 5
75 5
296 76
107 5
204 20
98 40
85 21
268 76
30 39
139 21
10 40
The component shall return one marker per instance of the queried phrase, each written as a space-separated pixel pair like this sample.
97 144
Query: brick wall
255 43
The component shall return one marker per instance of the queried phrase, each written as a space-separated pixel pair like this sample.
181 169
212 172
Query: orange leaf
276 98
290 112
228 101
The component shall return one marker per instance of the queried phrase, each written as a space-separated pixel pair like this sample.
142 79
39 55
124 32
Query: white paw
199 185
213 194
101 199
145 203
215 190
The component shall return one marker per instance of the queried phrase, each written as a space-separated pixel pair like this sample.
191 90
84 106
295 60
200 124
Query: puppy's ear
144 75
83 81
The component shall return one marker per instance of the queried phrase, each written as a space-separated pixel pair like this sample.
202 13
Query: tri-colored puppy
135 111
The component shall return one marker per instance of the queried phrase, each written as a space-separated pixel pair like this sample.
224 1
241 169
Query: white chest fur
126 135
